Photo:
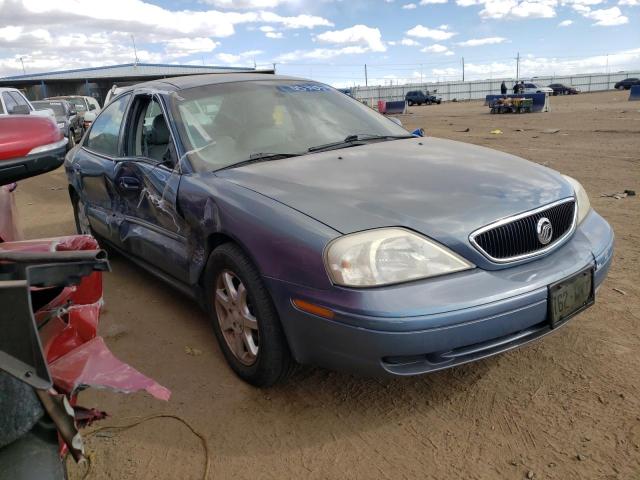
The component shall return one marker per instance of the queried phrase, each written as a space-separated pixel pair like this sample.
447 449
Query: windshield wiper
355 140
261 157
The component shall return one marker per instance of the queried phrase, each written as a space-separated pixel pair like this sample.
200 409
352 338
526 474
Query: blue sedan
315 231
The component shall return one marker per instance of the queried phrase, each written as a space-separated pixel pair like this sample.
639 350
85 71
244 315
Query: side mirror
92 107
396 120
20 110
31 145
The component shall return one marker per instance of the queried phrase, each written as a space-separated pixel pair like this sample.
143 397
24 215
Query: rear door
146 182
93 169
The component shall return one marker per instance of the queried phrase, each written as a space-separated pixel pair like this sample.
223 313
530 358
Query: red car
51 294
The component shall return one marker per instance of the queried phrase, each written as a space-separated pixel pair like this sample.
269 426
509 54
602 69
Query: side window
19 99
1 107
8 101
153 139
104 133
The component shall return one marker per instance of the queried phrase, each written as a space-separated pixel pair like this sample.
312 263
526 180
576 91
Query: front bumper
441 322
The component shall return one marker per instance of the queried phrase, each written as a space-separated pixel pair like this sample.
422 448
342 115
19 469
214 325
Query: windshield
57 107
77 102
224 124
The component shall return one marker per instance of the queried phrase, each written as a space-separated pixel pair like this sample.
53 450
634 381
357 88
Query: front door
146 182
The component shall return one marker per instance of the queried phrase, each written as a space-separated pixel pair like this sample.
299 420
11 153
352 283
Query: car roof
64 97
190 81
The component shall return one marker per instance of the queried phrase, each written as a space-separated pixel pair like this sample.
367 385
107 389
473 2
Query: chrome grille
516 237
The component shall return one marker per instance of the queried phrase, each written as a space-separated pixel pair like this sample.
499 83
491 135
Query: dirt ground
563 408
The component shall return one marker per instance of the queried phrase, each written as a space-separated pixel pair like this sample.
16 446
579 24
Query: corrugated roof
129 70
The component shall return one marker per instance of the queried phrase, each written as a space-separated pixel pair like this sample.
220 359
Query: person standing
516 87
503 88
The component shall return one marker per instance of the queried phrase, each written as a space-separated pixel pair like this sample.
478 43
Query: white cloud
439 33
539 66
239 58
629 3
354 40
513 9
358 35
410 6
271 32
606 17
409 42
245 4
477 42
565 23
319 54
101 35
182 47
139 17
429 2
298 21
437 48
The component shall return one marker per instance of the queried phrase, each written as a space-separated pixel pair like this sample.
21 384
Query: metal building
96 82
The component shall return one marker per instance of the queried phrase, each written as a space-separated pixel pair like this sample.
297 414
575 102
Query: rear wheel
244 318
83 227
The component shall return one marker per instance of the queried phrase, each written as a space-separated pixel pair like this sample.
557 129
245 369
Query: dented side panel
151 227
282 242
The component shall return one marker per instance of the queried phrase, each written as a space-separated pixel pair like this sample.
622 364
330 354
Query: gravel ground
565 407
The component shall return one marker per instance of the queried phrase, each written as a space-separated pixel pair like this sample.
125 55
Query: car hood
441 188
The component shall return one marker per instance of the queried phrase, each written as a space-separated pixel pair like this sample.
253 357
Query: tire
271 362
79 215
410 103
71 140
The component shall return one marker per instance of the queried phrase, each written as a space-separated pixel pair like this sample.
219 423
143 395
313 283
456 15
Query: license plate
570 296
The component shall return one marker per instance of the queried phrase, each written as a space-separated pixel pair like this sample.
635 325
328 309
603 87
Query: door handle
129 183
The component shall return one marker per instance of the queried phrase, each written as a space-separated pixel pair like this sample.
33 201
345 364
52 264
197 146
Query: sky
328 40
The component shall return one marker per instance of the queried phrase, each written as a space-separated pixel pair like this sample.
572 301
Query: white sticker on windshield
303 88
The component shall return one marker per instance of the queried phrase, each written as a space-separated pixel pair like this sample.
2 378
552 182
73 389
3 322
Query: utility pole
421 78
518 67
366 76
24 72
463 69
274 68
135 51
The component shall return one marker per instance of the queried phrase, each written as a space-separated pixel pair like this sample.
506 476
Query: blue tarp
634 93
539 99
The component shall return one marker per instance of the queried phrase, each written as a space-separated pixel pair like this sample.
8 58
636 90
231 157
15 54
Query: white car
13 101
535 88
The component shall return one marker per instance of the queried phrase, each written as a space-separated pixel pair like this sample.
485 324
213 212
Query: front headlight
386 256
582 199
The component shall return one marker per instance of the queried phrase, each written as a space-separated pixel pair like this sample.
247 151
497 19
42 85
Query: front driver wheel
71 140
244 318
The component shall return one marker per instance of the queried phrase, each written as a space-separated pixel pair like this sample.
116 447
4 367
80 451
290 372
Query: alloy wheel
238 324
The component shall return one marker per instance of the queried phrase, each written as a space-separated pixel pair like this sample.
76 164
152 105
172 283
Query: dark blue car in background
316 231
